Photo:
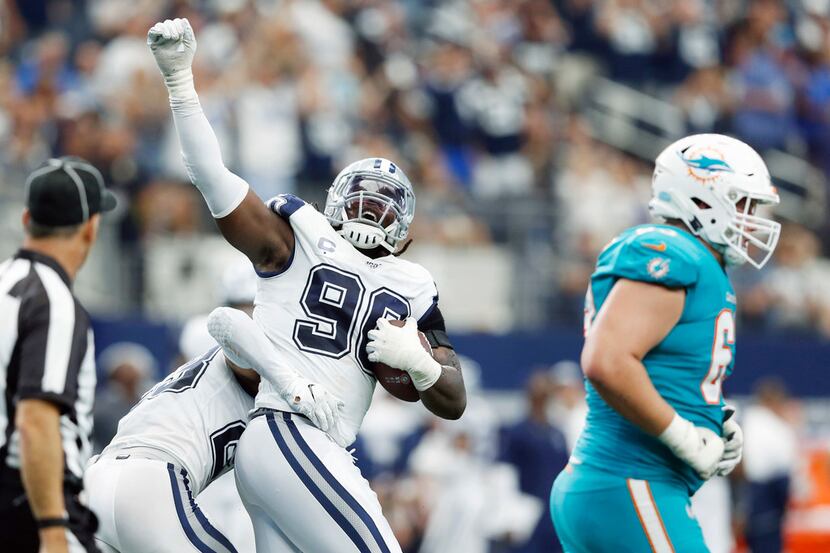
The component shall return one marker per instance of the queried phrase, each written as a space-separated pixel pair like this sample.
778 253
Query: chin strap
731 257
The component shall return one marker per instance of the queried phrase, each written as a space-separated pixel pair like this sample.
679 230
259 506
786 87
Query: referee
47 366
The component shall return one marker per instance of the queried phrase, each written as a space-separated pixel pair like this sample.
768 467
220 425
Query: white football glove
733 438
322 409
246 345
173 44
400 348
699 447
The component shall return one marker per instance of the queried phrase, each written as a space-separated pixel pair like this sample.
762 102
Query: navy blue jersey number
333 301
382 303
330 300
223 444
185 377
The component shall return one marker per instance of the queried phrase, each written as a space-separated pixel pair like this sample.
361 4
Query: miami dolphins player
659 340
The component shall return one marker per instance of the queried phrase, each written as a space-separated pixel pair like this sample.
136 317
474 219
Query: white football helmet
371 203
713 183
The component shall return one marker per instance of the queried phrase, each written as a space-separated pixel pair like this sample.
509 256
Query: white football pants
304 492
147 506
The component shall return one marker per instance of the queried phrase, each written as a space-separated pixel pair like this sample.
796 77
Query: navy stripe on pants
177 498
318 494
336 486
206 527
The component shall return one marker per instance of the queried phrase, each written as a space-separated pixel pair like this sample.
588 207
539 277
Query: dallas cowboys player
660 338
328 283
174 443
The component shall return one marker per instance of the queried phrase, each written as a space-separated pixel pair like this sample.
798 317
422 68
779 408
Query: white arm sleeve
247 346
223 191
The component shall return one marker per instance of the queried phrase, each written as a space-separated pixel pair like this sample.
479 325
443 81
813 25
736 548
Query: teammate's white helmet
713 184
371 203
238 283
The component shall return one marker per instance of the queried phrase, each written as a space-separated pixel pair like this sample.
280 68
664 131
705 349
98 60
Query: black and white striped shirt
46 352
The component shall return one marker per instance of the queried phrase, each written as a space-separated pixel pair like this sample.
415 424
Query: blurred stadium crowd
500 111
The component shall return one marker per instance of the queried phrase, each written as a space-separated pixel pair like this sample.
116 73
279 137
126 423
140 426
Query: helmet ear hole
701 204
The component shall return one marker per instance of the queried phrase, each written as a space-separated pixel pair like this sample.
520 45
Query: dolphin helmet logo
708 163
704 164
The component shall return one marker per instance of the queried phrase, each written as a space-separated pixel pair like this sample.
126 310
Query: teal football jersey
687 367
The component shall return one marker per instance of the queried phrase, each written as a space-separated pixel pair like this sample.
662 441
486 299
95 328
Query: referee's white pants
304 493
147 506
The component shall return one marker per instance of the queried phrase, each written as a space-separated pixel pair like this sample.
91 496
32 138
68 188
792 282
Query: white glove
173 44
733 438
322 409
247 346
400 348
699 447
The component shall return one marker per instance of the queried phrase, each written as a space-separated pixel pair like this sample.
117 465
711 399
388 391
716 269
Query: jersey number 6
721 357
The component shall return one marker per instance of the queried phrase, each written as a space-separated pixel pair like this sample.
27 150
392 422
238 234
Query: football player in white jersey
180 437
328 284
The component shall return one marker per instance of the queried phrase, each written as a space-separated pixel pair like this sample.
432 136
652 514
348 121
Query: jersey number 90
333 301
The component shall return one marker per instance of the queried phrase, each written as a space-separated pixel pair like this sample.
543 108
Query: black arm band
50 522
438 339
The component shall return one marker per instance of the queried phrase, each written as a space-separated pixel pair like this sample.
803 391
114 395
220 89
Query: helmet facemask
371 210
749 237
741 236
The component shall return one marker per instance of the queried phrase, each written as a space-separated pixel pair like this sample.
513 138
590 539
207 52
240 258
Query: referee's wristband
51 522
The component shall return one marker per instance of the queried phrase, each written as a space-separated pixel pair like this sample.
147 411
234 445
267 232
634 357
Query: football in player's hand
395 381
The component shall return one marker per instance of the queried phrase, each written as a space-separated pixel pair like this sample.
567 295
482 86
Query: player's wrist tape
180 87
425 372
676 433
52 522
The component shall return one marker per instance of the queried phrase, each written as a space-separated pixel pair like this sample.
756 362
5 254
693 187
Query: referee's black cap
66 191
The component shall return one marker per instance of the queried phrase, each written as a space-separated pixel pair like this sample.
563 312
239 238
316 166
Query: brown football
395 381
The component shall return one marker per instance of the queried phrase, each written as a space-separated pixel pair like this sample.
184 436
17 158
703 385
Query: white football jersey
195 415
318 309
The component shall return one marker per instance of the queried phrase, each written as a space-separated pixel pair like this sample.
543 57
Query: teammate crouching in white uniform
173 444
